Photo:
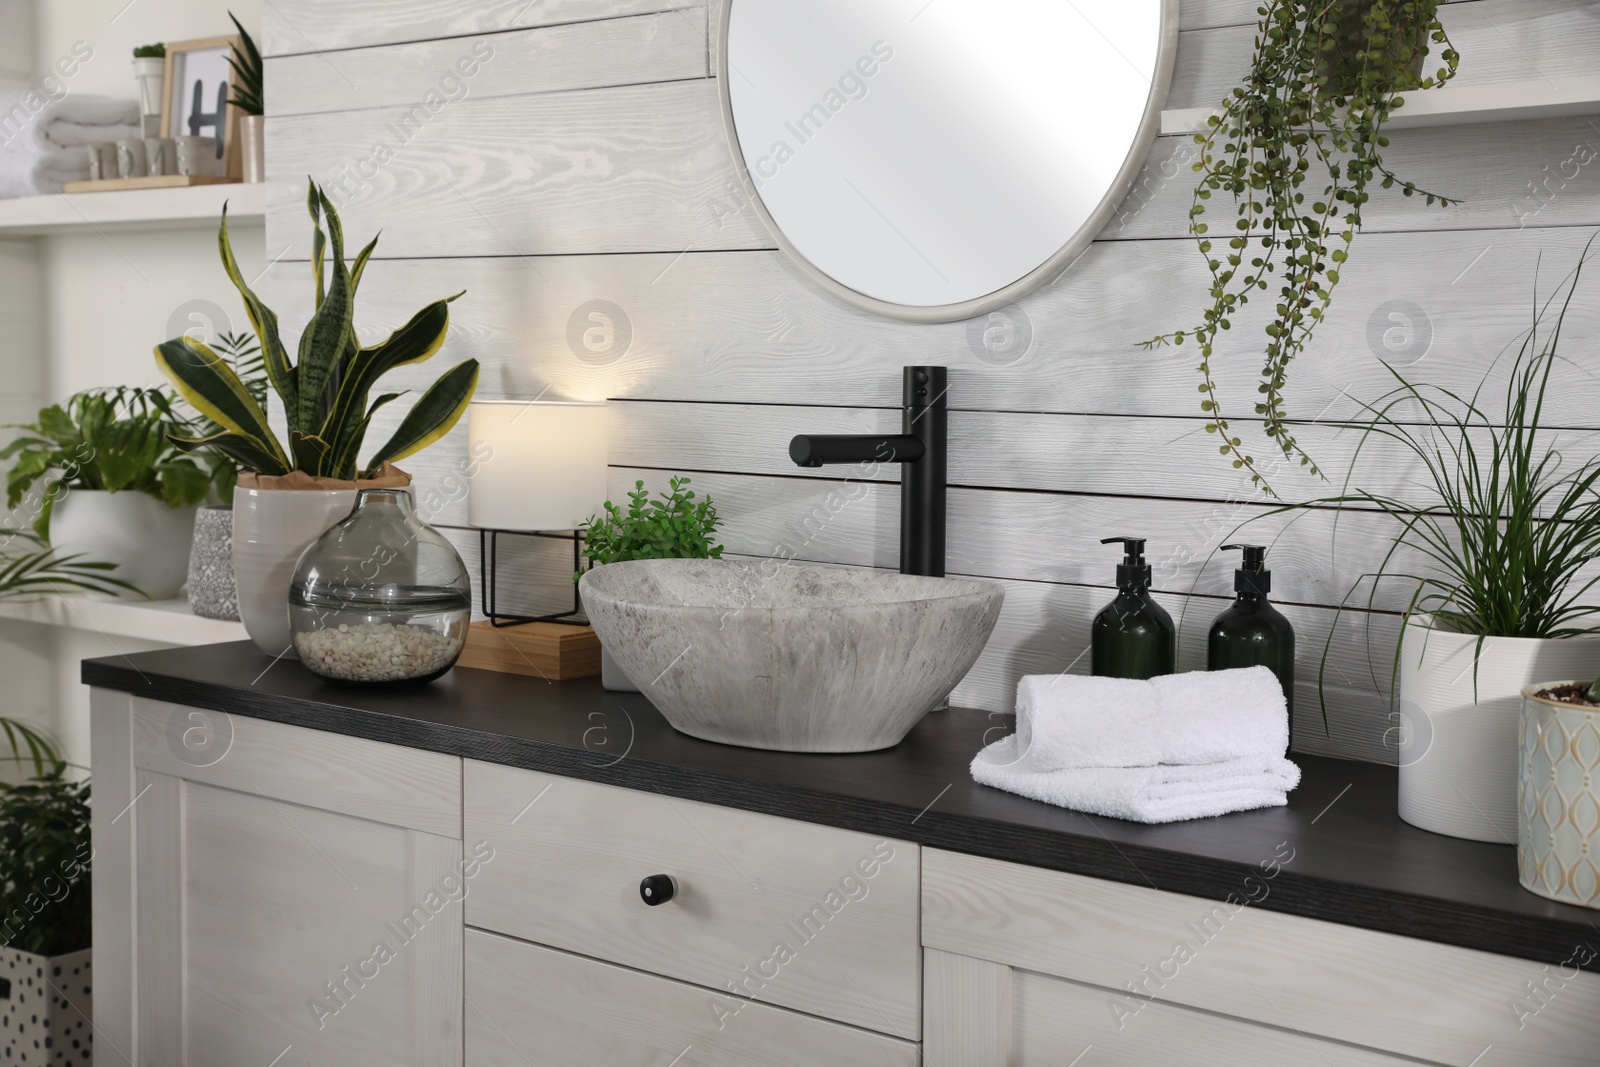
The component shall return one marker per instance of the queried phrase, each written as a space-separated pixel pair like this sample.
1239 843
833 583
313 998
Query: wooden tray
538 649
160 181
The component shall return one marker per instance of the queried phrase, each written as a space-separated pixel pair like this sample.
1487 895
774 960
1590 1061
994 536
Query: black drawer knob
657 889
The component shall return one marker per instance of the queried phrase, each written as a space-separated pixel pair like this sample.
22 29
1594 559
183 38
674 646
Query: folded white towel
1068 720
37 173
1159 794
31 122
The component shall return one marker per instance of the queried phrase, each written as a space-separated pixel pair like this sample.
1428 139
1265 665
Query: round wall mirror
934 160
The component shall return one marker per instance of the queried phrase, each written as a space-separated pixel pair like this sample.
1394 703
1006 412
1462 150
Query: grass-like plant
28 746
1298 148
248 72
44 882
150 51
673 526
1509 523
116 440
325 392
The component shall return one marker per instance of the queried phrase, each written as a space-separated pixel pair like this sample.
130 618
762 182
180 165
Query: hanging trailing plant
1298 146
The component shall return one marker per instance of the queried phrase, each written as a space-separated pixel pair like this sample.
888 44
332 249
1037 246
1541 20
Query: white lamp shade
535 465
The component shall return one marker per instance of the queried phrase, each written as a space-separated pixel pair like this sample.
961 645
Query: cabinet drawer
1404 996
529 1004
804 916
1057 1021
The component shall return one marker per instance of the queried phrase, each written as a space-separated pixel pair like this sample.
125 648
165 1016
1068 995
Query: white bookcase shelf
1540 98
132 209
166 621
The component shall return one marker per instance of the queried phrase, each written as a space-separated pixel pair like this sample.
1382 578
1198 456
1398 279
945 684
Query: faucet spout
815 450
921 449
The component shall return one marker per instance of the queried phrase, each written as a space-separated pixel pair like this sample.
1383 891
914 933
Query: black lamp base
488 550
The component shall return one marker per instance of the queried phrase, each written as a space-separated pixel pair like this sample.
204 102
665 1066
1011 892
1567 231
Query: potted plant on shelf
290 493
1507 537
115 488
1558 792
673 526
149 71
248 77
1297 147
45 923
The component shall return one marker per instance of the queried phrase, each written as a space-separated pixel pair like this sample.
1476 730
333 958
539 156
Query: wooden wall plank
1499 40
668 46
746 328
1544 173
289 27
627 169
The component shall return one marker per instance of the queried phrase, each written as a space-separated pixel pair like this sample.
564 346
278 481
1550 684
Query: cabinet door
263 929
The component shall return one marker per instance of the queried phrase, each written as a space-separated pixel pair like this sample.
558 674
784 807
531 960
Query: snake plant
325 392
245 60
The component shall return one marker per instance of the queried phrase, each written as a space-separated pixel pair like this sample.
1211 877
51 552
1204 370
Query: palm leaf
439 409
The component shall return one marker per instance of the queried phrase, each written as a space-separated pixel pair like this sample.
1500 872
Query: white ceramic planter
1558 793
148 541
148 74
1458 749
271 527
44 1018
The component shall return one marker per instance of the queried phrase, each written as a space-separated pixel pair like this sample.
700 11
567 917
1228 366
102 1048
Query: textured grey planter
212 591
45 1007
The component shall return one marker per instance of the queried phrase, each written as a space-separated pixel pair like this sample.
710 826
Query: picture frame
195 88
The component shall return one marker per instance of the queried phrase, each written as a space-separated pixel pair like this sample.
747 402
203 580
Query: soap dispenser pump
1133 636
1252 632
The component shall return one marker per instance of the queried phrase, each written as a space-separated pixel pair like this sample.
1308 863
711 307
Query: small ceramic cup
197 156
131 161
161 153
1558 801
102 161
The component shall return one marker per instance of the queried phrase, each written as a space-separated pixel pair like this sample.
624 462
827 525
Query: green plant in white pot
114 488
1507 531
295 488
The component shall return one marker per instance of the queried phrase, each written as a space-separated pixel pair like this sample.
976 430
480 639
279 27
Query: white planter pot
148 74
1558 828
49 997
271 527
148 541
1458 750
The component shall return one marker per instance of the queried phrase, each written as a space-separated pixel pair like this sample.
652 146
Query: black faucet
921 449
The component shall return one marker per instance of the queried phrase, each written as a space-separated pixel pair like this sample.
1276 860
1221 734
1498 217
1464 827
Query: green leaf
433 415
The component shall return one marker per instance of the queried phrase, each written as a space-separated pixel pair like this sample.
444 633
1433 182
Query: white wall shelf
198 206
166 621
1540 98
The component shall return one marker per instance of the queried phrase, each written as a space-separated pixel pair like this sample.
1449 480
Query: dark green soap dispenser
1252 632
1133 637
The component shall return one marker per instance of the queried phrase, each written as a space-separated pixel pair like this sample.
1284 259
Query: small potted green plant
293 489
248 78
675 525
149 71
115 489
45 923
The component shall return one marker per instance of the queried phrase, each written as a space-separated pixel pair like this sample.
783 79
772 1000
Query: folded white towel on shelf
1066 720
30 122
1157 794
38 173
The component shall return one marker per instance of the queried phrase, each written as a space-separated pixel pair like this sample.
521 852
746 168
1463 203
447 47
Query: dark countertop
1353 860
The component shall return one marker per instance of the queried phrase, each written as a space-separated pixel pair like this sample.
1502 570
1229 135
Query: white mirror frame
1010 294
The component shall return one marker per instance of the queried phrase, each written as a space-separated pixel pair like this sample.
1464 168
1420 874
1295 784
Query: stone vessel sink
789 657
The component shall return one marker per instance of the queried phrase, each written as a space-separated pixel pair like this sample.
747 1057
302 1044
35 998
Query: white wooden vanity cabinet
270 895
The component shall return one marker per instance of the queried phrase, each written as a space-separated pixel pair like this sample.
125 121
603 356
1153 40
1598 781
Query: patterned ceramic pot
48 1004
212 592
1558 825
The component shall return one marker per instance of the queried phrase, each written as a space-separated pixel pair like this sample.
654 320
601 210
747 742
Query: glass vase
381 598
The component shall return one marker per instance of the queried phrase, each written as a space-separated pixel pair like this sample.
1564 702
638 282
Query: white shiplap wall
583 159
